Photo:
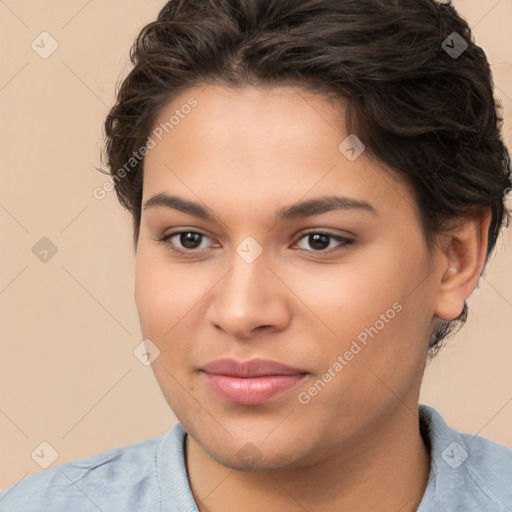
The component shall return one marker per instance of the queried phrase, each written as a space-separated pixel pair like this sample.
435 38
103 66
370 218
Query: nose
250 299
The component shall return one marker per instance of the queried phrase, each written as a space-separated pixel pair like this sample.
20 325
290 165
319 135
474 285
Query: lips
250 382
251 368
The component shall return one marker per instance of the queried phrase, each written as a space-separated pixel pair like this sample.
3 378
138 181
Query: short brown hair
428 115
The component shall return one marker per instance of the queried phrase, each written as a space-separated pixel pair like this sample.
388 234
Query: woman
316 187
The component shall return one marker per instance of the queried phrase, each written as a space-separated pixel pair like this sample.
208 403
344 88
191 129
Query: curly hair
428 114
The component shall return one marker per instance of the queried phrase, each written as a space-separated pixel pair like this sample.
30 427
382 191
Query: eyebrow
177 203
323 205
306 208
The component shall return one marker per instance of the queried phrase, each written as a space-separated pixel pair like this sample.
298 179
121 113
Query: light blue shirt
468 474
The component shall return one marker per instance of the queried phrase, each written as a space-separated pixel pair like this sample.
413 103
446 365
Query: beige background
69 326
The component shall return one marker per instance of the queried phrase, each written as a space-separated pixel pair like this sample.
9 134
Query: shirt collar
450 467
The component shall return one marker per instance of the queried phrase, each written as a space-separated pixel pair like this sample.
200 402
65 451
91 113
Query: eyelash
193 252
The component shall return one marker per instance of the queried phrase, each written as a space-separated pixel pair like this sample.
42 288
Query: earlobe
448 308
461 262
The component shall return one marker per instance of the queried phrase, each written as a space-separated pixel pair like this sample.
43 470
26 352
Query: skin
243 154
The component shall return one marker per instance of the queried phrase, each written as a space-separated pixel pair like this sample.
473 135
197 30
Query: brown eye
185 241
319 241
322 242
190 240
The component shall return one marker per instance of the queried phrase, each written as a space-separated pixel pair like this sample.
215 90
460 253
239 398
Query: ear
463 252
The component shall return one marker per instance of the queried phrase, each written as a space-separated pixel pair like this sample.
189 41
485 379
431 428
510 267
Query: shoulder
468 472
124 478
489 468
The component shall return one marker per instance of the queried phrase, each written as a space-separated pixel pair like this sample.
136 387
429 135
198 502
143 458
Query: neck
385 470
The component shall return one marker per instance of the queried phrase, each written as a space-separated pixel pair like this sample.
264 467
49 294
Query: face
262 239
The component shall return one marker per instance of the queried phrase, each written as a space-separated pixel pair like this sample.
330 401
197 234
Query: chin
250 459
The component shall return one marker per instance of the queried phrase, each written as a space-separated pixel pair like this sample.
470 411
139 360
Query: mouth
251 382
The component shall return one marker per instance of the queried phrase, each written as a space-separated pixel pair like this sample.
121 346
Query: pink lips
250 382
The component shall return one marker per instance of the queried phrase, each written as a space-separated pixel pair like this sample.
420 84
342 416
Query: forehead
256 146
240 123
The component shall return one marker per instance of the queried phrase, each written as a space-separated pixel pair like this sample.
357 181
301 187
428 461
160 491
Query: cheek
374 364
165 296
378 311
350 297
164 293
